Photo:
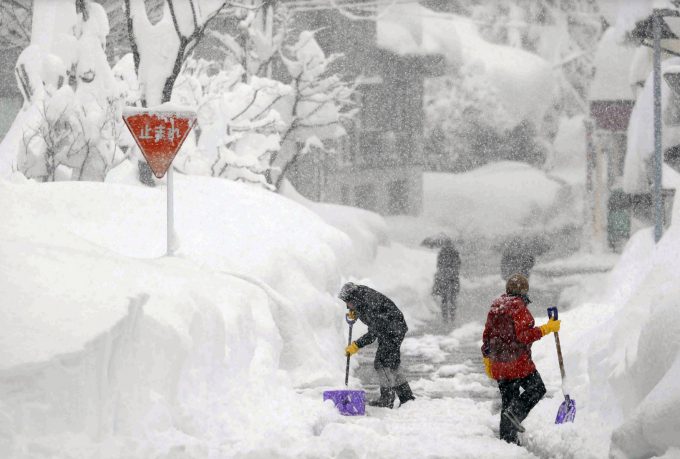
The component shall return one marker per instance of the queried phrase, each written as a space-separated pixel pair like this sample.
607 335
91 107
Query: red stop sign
159 134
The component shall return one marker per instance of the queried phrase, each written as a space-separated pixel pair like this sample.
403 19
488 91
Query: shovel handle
349 341
552 314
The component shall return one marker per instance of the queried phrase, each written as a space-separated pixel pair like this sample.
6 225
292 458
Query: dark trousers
388 354
519 404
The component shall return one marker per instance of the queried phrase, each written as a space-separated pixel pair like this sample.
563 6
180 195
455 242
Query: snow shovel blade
567 411
348 402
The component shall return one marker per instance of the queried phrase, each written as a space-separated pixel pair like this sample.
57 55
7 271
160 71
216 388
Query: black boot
404 393
386 399
516 423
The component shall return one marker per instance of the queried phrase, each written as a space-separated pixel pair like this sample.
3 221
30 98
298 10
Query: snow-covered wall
622 355
638 168
523 81
497 200
110 349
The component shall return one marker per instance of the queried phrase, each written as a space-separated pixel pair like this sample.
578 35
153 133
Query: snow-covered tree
321 101
565 32
562 32
15 23
161 49
457 108
238 130
239 102
72 96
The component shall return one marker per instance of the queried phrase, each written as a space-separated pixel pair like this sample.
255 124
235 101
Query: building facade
611 101
378 165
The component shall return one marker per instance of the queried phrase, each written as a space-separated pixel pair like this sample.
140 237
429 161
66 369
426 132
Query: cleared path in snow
444 367
443 361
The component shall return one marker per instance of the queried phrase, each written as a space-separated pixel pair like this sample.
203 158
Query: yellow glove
352 348
550 327
352 314
487 367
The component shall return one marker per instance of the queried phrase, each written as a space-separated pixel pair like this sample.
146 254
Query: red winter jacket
507 338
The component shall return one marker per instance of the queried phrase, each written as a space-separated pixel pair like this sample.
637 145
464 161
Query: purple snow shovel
567 411
348 402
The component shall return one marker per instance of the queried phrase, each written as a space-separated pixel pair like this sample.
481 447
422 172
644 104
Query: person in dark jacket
386 324
506 351
516 260
447 281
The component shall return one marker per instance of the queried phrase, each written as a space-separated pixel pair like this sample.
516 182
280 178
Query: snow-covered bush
237 128
249 125
467 127
561 31
456 106
321 101
75 103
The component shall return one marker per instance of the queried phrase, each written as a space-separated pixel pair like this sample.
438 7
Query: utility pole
656 191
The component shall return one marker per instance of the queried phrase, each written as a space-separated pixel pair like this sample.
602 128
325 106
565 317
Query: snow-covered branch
15 23
162 48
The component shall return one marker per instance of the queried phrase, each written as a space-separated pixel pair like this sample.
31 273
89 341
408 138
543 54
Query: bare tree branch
193 13
15 23
246 7
171 7
195 37
266 109
133 41
250 104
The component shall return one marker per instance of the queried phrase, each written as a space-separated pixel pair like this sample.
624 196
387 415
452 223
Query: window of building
344 195
344 154
364 196
397 193
371 109
672 112
370 146
390 147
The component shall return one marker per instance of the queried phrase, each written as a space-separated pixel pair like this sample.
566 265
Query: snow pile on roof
640 66
499 199
409 28
569 158
638 167
612 69
106 341
625 13
524 81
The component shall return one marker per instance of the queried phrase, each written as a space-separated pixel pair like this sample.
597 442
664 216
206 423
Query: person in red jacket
506 350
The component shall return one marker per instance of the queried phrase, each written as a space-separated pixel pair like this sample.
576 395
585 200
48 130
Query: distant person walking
447 281
386 324
506 351
516 259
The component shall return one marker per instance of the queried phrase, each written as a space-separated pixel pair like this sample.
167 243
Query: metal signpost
656 189
159 135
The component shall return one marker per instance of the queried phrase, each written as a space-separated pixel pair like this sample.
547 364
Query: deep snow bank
622 356
105 340
495 200
366 229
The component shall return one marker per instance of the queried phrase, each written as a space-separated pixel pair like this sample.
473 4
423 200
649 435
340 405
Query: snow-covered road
456 414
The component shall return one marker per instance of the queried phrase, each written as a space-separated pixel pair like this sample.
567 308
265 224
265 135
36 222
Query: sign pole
170 216
159 133
658 147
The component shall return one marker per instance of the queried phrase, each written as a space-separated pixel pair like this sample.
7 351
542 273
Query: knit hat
348 291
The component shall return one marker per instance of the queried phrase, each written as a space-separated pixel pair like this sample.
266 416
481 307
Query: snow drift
109 348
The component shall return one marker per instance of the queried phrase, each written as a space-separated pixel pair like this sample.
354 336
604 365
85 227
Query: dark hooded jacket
385 323
446 278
